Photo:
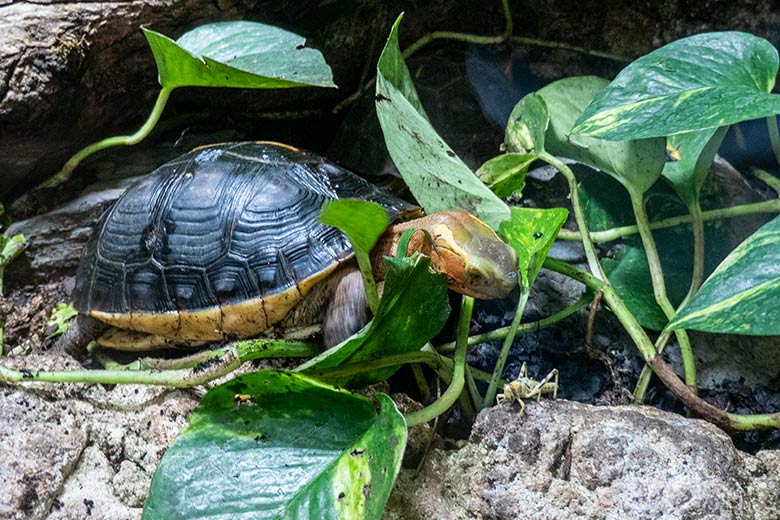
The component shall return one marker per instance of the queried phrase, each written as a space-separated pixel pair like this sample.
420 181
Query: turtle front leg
348 310
83 330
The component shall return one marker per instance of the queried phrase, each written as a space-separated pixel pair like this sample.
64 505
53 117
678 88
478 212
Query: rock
570 460
88 492
72 72
57 238
89 452
40 445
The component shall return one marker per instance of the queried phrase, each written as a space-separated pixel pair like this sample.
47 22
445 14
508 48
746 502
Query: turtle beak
491 269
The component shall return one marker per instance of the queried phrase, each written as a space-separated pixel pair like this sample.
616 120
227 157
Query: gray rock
77 451
75 71
40 445
568 460
57 238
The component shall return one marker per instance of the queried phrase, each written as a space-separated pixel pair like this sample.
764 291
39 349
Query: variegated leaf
704 81
742 295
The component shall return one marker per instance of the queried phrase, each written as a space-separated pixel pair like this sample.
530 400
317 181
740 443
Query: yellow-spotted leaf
278 445
689 157
701 82
635 164
742 295
531 232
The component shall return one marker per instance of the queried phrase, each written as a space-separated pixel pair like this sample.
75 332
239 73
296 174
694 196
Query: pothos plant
296 444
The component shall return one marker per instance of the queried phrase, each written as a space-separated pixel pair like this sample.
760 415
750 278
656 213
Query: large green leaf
635 164
605 202
629 275
531 232
413 309
363 222
505 174
238 54
527 125
279 445
741 296
437 178
689 158
700 82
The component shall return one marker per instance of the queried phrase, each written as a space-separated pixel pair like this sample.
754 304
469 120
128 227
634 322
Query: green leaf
629 275
701 82
413 309
689 158
279 445
505 174
238 54
10 248
531 232
437 178
635 164
527 125
741 296
605 202
60 316
362 221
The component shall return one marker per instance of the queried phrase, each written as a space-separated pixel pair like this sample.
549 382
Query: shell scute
224 241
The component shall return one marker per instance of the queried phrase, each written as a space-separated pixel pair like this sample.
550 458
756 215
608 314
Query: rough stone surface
567 460
76 451
75 71
40 445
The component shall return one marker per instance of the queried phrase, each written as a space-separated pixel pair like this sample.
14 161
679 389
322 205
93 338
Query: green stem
767 178
490 395
13 248
579 215
471 384
565 46
422 383
697 225
432 359
463 37
456 385
523 328
767 206
120 140
222 362
659 284
449 364
643 383
587 279
364 264
774 136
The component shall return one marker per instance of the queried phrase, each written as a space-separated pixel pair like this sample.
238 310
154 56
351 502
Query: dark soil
27 311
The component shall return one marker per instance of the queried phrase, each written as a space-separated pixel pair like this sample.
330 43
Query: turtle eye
475 277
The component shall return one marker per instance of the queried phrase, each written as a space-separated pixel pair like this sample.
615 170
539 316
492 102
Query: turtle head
470 254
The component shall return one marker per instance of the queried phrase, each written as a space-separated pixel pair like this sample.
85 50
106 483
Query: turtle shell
220 242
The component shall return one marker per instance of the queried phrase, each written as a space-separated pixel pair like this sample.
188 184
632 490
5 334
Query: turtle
224 243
